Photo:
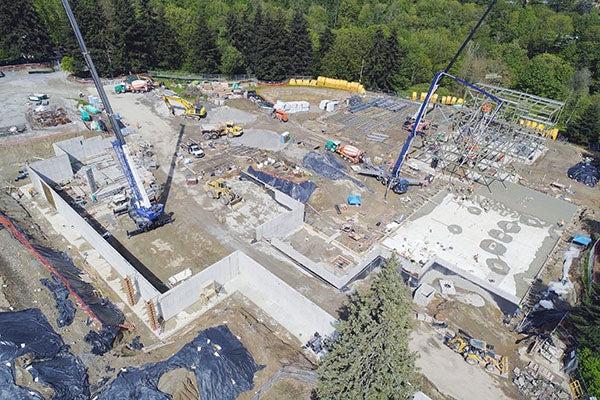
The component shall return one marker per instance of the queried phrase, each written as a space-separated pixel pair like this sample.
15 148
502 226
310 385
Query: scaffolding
477 142
518 106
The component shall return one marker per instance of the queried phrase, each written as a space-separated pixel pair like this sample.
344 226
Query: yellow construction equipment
214 131
217 189
189 109
576 389
477 352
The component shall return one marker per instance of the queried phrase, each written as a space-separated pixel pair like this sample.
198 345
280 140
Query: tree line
549 48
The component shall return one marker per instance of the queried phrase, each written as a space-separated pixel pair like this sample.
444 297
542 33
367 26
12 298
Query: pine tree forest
550 48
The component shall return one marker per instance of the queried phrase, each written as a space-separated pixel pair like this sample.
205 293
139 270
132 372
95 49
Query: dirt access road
450 374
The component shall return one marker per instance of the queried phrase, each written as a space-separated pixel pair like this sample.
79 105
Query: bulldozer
217 189
477 352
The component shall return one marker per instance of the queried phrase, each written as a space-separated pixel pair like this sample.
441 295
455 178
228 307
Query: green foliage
346 58
585 320
589 367
383 62
204 55
67 63
371 359
22 35
585 127
546 75
300 46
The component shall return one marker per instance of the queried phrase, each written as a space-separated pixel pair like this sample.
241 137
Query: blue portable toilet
354 200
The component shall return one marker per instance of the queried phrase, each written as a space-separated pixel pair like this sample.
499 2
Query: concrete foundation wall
284 224
300 316
187 293
55 169
80 148
112 256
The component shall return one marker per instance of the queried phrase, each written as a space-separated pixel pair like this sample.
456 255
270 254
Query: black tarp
297 191
66 309
328 166
585 172
223 369
28 332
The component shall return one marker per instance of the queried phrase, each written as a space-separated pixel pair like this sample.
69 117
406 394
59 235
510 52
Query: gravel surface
225 113
259 139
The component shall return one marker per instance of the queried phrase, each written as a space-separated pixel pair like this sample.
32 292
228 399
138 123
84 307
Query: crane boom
142 211
433 87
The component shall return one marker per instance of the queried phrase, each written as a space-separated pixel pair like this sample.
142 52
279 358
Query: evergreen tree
204 55
326 40
22 35
586 127
143 51
585 320
383 62
240 35
93 27
127 41
272 59
300 47
168 51
371 358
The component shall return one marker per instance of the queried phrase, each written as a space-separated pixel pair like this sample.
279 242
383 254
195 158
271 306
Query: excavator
477 352
190 110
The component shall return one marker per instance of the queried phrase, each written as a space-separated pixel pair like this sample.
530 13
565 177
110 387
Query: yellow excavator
190 110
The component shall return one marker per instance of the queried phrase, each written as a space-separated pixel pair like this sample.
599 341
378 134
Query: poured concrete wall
80 148
112 256
55 169
187 293
283 224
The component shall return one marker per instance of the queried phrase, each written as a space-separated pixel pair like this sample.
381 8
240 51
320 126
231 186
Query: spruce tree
272 58
586 127
325 42
168 51
93 26
383 62
371 359
127 41
22 35
239 33
300 47
585 320
204 55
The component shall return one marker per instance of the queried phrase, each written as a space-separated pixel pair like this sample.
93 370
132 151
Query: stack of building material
292 107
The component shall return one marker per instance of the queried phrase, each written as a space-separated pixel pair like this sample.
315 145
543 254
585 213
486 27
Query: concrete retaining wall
187 293
55 169
80 148
112 256
283 224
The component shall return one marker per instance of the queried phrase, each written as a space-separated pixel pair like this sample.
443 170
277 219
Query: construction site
209 226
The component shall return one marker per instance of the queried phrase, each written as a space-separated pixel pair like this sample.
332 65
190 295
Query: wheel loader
217 189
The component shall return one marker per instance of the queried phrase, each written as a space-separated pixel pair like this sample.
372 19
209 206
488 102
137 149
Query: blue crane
392 178
144 213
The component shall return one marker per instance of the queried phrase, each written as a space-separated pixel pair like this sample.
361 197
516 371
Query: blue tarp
585 172
223 369
354 200
28 332
66 309
298 191
582 240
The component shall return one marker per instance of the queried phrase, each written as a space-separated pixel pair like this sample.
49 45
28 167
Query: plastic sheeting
102 341
327 165
66 309
28 332
585 172
223 369
297 191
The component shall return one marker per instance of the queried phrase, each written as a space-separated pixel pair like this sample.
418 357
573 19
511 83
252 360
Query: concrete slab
502 236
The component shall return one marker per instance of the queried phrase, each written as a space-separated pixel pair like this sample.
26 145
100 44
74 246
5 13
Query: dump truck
136 86
215 131
189 110
280 114
217 189
348 152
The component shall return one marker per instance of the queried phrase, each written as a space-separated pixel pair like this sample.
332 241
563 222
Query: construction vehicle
189 110
217 189
146 214
348 152
215 131
392 178
410 123
476 352
135 84
280 114
194 149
